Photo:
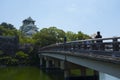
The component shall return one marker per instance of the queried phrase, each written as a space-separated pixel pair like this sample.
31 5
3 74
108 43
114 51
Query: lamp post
66 74
65 39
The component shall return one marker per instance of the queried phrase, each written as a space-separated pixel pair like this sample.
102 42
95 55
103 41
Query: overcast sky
88 16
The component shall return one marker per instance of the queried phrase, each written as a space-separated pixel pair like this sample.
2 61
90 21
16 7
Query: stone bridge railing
102 46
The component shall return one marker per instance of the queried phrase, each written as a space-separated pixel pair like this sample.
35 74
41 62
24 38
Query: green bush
8 60
1 52
22 57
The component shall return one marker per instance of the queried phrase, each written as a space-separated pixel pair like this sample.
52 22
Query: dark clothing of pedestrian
98 36
99 45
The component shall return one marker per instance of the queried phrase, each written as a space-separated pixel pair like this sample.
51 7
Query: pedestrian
99 44
98 35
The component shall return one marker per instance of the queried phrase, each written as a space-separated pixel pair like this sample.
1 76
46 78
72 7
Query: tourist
99 42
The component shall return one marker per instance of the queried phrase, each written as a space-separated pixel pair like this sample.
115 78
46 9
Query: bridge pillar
66 74
41 61
56 63
104 76
66 70
62 65
47 63
96 75
83 71
50 63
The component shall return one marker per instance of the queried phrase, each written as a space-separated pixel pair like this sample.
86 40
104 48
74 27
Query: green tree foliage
44 37
51 35
7 32
7 25
1 52
26 40
8 60
22 57
79 36
48 36
82 36
71 36
7 29
33 57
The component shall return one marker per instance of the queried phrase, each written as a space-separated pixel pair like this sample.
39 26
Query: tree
71 36
79 36
6 31
7 25
22 57
48 36
82 36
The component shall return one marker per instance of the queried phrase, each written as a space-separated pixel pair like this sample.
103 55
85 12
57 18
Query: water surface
27 73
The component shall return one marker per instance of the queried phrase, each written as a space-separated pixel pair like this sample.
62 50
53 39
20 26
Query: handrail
88 44
95 39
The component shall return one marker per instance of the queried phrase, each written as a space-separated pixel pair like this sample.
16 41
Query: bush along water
20 58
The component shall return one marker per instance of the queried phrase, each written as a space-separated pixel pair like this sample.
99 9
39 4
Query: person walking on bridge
98 35
99 42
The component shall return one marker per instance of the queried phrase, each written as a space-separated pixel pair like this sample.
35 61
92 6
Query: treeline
44 37
51 35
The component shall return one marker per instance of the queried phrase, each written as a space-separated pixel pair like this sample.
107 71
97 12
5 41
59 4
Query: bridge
102 55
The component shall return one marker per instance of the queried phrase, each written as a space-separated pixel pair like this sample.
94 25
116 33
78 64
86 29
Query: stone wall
9 45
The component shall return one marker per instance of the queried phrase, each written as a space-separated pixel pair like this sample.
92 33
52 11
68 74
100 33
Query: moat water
27 73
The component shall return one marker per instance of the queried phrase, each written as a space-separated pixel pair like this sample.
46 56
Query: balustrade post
85 45
102 46
79 46
93 44
65 39
115 44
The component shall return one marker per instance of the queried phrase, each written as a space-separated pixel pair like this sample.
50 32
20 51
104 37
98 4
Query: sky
88 16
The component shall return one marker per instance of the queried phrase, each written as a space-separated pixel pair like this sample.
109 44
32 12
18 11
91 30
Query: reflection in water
27 73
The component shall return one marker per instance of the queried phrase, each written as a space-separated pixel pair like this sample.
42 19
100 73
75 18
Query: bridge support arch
68 68
104 76
103 57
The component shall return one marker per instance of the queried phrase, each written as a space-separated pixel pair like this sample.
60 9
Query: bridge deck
111 59
106 50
